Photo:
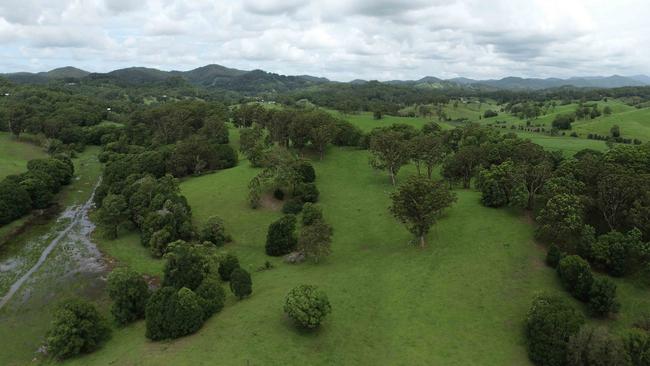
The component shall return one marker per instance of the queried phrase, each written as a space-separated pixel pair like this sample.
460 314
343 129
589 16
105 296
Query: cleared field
14 155
634 123
366 122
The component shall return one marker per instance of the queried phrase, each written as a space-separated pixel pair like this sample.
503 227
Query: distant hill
517 83
67 72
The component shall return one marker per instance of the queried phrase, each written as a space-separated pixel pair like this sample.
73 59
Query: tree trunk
423 243
429 171
392 177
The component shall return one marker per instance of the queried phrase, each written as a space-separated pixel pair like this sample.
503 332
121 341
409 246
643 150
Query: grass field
14 155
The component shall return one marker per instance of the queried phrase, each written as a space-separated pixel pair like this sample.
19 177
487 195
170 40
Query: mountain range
221 77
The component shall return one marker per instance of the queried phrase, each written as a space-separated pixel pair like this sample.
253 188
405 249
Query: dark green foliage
77 328
602 297
307 192
129 292
619 253
550 323
596 347
315 240
214 231
311 213
490 113
173 313
278 194
292 206
500 184
346 134
39 190
306 172
60 170
228 264
307 306
575 275
563 121
561 218
281 238
113 213
637 345
197 155
240 283
186 266
554 256
14 200
211 296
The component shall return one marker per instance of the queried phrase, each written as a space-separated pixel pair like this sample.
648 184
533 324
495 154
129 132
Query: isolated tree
418 202
615 131
389 151
77 328
227 264
550 323
240 283
281 237
113 213
596 347
315 240
307 306
129 292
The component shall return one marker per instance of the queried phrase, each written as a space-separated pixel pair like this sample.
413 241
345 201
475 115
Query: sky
338 39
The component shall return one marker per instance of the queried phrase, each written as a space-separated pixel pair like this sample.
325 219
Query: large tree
418 203
389 151
427 151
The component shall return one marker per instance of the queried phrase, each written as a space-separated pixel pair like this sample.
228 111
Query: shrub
211 297
281 237
172 313
602 297
278 194
490 113
637 345
14 201
307 306
228 264
575 275
186 266
346 134
307 192
214 231
616 251
550 323
306 172
225 157
292 207
129 292
311 213
77 328
553 256
240 283
596 346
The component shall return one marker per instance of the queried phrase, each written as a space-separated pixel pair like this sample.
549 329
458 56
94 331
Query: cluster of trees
19 194
557 336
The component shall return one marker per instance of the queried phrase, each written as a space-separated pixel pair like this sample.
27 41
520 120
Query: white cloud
339 39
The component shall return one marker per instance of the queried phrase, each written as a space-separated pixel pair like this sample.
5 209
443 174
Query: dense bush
575 275
281 237
490 113
186 266
602 297
637 345
550 323
211 296
227 264
129 292
292 206
172 313
563 121
214 231
311 213
240 283
307 306
597 347
307 192
347 134
77 328
306 172
616 252
278 194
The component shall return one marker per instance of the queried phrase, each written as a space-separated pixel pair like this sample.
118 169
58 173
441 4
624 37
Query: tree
596 347
602 297
14 201
253 144
389 151
214 232
428 151
550 323
129 292
554 256
607 110
619 253
616 195
240 283
615 131
311 213
500 185
561 218
315 240
186 266
307 306
113 213
281 238
418 203
228 264
575 275
211 296
172 313
637 345
463 165
77 328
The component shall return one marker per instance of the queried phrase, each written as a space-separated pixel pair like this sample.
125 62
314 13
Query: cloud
339 39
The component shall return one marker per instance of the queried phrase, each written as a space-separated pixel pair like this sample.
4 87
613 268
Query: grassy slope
634 123
14 155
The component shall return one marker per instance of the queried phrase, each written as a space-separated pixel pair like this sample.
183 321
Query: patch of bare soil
269 202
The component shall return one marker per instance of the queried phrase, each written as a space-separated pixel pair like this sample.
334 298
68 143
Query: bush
225 157
214 231
637 345
306 172
129 292
346 134
563 121
281 237
602 297
77 328
490 113
554 256
240 283
596 346
307 192
172 313
550 323
211 297
311 213
278 194
186 266
616 251
307 306
228 264
292 207
575 275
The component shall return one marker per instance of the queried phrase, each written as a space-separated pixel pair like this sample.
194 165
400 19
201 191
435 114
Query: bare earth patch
269 202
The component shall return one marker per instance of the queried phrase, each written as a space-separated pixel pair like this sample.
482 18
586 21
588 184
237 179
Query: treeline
34 189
